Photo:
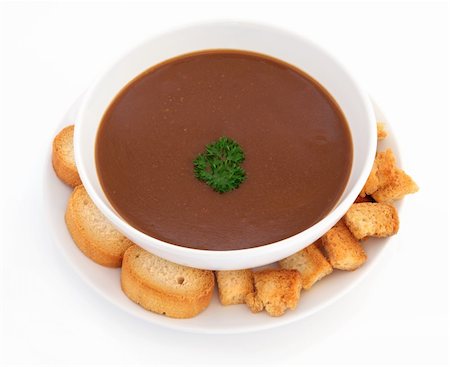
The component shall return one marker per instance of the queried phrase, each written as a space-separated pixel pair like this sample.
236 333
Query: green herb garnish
219 165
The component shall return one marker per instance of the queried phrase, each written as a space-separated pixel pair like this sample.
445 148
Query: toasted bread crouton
94 235
381 131
234 285
342 249
383 171
386 167
164 287
400 185
372 219
275 290
373 183
63 159
386 181
310 263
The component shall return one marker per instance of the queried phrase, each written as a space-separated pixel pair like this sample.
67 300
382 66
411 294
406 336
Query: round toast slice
164 287
63 159
95 236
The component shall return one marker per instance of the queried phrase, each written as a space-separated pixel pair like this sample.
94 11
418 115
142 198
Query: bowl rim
325 223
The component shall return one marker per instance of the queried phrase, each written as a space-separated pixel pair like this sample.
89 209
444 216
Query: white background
50 53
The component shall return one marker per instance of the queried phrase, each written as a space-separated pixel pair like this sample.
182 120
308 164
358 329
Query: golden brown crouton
386 164
381 131
400 185
275 290
63 159
372 184
310 263
92 232
372 219
342 249
164 287
383 171
386 181
234 285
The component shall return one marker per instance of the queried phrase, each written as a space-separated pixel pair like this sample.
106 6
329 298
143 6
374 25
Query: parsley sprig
219 165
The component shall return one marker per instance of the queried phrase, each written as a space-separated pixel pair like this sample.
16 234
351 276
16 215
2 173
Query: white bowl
264 39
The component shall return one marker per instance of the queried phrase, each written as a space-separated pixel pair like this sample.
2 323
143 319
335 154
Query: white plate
216 319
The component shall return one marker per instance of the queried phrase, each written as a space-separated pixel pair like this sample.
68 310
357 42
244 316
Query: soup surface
297 145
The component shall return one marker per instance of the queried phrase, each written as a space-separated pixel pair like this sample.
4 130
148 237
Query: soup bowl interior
280 44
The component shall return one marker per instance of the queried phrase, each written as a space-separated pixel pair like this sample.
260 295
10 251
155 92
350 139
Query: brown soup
298 150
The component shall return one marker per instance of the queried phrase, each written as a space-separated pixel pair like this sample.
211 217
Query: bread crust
62 157
153 298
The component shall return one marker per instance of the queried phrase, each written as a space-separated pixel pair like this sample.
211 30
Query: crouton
373 183
381 131
310 263
275 290
372 219
342 249
164 287
91 231
63 159
386 181
383 172
386 167
234 285
400 185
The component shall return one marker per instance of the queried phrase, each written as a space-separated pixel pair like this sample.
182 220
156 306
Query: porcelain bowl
264 39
